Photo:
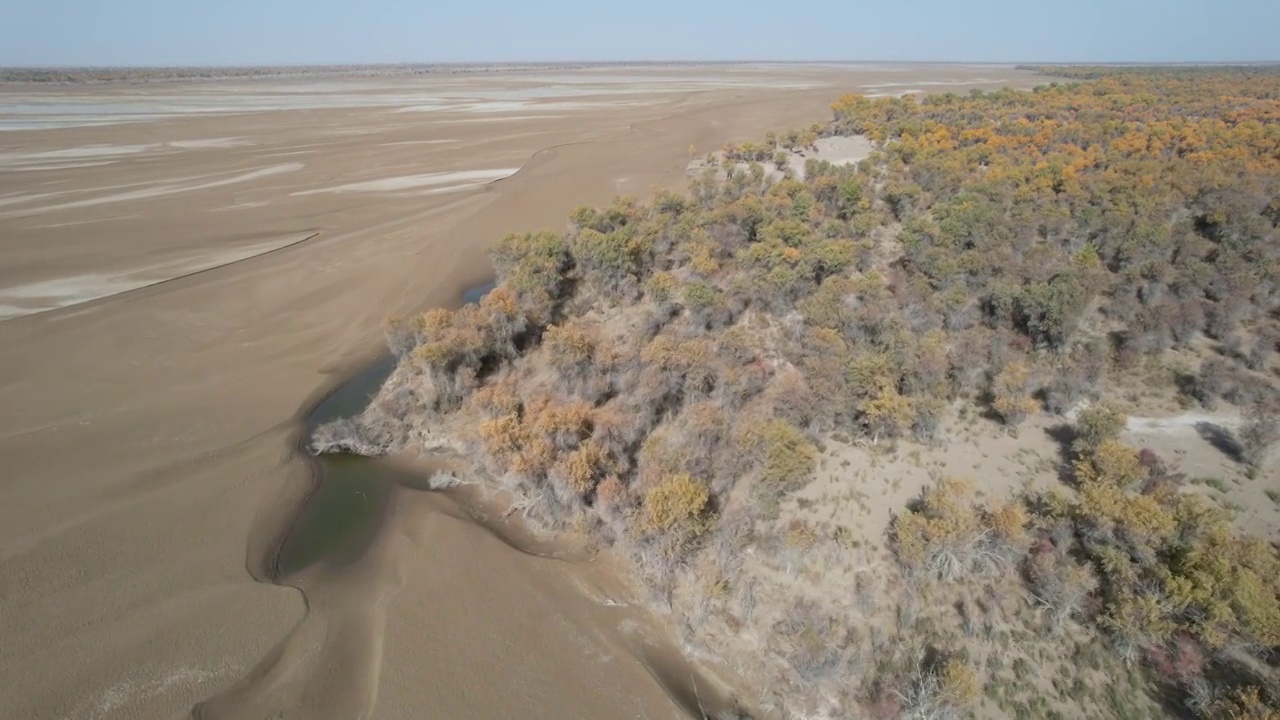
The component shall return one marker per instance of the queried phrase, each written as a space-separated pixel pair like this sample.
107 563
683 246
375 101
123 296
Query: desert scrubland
953 406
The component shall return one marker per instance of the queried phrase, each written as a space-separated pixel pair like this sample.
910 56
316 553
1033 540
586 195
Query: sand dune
150 438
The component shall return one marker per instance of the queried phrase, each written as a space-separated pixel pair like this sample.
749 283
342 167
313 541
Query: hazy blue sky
221 32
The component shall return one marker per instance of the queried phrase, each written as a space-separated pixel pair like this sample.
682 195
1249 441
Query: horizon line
546 63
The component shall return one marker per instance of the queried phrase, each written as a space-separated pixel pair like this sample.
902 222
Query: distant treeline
97 75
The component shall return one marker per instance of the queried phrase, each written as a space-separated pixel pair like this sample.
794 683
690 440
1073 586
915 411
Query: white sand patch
161 190
19 198
41 110
283 148
418 142
509 106
506 118
103 219
116 699
210 143
56 166
77 153
91 220
443 190
246 205
351 132
70 157
843 150
409 182
57 293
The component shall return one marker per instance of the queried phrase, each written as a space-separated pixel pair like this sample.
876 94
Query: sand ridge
151 436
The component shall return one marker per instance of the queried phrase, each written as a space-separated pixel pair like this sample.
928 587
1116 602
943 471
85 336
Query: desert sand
187 268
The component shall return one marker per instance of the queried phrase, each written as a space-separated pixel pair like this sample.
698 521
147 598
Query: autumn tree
1095 425
886 412
1010 393
678 501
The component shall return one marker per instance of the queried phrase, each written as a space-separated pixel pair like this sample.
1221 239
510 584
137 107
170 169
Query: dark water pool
342 513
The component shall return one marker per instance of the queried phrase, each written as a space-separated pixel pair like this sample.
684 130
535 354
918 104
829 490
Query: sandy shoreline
152 436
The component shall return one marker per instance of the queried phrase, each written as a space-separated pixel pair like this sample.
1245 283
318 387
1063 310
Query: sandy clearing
150 439
1185 421
1190 420
835 150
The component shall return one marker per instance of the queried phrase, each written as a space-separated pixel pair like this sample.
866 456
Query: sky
293 32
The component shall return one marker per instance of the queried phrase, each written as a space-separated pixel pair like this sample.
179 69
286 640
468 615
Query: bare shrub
1070 384
927 425
746 596
1259 431
1211 382
944 692
1248 389
400 335
733 534
795 544
791 398
353 435
815 640
1181 662
1058 584
612 501
657 559
1264 343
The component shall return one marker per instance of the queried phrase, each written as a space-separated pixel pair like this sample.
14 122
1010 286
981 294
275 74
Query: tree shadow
1063 435
1222 439
1230 669
1187 385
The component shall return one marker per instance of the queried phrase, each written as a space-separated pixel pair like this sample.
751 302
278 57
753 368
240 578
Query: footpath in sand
163 332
